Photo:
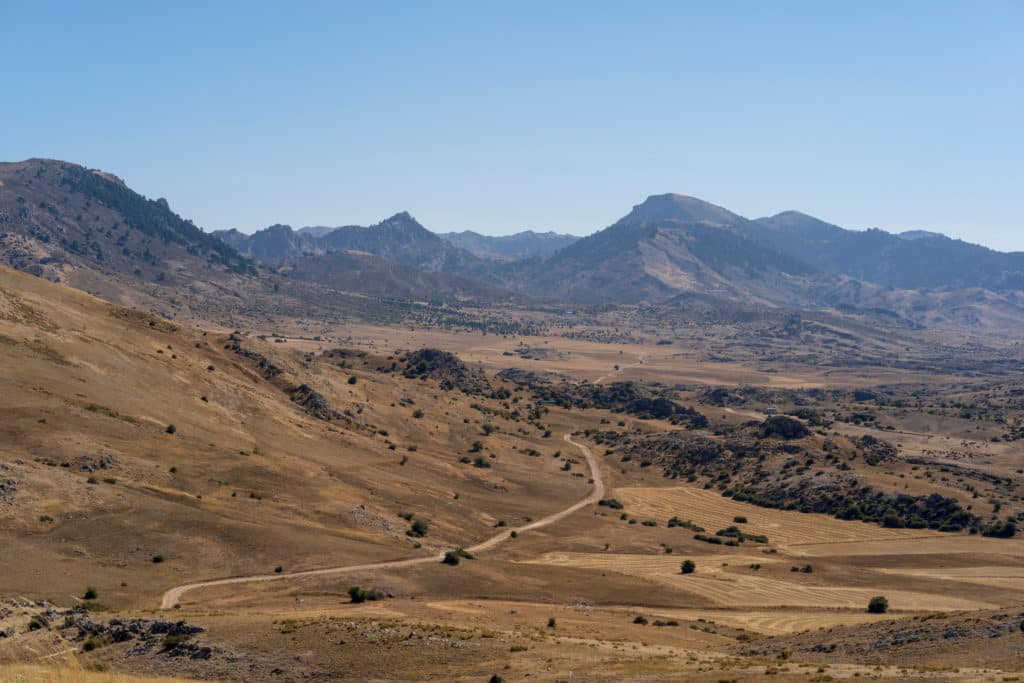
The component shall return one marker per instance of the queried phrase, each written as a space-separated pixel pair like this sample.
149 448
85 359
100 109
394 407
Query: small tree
878 605
419 528
688 567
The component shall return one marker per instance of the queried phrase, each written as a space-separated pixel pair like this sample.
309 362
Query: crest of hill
56 217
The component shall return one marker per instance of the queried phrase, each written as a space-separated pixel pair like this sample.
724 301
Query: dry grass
29 673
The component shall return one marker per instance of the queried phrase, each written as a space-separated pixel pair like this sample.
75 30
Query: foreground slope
128 437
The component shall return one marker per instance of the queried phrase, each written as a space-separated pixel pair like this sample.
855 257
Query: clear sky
549 115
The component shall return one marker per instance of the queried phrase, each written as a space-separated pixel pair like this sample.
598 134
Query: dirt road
173 596
640 359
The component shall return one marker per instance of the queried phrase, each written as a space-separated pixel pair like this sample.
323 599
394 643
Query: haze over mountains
65 222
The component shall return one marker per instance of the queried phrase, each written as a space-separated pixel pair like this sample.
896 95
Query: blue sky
549 115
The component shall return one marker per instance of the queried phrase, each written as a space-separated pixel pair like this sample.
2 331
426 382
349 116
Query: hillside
57 217
288 499
914 260
354 271
400 238
273 244
128 437
665 246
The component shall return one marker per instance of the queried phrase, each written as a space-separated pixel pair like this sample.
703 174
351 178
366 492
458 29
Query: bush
157 559
740 519
1007 529
551 622
171 429
352 379
785 427
878 605
417 413
452 557
91 644
688 567
419 529
642 620
481 462
610 503
358 595
90 594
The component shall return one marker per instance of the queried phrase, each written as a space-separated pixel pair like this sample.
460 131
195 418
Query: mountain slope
273 244
400 238
354 271
665 246
56 217
914 260
513 247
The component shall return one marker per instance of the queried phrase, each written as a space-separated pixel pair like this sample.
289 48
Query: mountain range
65 222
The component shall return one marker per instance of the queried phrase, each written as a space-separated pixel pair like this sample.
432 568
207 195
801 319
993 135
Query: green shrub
358 595
418 529
878 605
171 429
452 557
90 594
688 567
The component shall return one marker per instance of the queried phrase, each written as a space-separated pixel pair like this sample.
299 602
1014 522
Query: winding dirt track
173 596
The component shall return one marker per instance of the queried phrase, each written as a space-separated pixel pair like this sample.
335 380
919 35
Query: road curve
173 596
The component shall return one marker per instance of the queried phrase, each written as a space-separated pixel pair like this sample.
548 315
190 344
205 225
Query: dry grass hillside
140 456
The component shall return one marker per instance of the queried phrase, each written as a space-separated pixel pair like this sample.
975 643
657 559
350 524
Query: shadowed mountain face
913 260
356 271
399 238
521 245
276 243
